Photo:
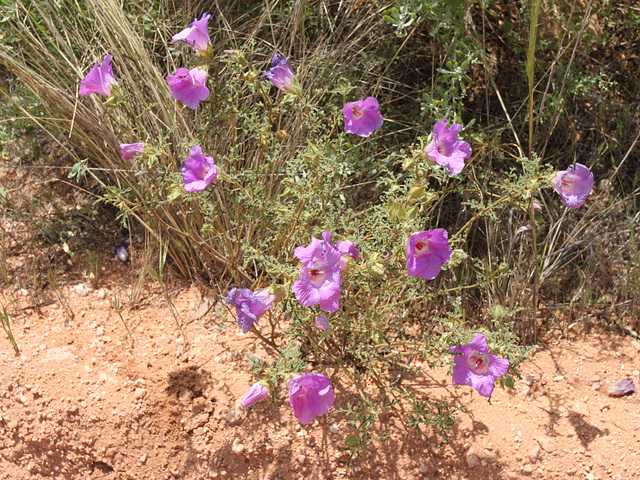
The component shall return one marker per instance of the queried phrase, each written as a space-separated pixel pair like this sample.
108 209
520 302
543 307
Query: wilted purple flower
320 278
256 393
198 170
622 388
427 252
573 185
250 306
476 367
363 117
122 251
445 149
99 79
189 86
346 247
310 395
130 150
196 34
321 322
280 73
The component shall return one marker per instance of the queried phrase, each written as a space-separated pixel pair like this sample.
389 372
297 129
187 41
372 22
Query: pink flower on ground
427 252
256 393
198 170
445 149
573 185
363 117
321 322
320 277
99 79
196 34
250 306
476 367
310 395
130 150
189 86
280 74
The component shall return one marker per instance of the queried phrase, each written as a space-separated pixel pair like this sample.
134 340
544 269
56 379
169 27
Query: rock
237 447
81 290
102 293
534 454
596 386
140 393
559 378
58 354
301 459
143 458
236 414
547 444
334 428
472 459
527 380
197 421
527 469
185 396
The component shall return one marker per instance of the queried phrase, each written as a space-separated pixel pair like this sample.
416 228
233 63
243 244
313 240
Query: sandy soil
84 399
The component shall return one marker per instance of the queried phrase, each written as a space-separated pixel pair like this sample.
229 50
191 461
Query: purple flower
573 185
250 306
122 251
280 74
346 247
363 117
310 395
130 150
196 34
198 170
189 86
321 322
320 278
256 393
427 252
445 149
622 388
476 367
99 79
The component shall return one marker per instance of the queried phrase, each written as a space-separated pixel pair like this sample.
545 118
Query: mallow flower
363 117
198 170
573 185
445 149
321 322
250 306
622 388
427 252
310 395
320 277
256 393
130 150
347 247
196 34
99 79
122 251
189 86
476 367
281 74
